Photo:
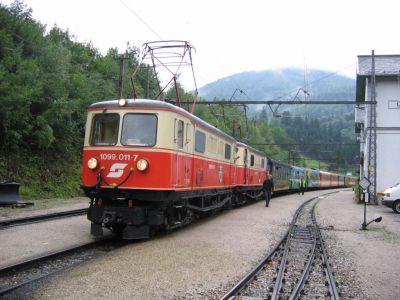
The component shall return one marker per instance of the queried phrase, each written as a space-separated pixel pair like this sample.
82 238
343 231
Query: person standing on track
268 186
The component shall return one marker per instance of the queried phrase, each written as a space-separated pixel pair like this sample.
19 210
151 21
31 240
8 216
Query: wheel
396 206
117 229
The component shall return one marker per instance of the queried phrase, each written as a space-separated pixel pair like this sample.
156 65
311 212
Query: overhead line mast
169 56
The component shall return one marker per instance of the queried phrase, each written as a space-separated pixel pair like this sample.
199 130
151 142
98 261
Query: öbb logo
116 170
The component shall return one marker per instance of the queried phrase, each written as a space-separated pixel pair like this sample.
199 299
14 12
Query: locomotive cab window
105 129
139 130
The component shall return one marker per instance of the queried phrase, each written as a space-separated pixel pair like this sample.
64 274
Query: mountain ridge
281 84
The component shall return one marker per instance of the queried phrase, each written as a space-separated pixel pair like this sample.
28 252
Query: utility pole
372 136
121 76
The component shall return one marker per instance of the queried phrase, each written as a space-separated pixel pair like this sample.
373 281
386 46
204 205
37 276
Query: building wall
388 137
387 159
388 91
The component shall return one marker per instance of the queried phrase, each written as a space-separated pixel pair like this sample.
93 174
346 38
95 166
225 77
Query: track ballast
297 268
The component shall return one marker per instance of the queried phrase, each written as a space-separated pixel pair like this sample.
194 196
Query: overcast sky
234 36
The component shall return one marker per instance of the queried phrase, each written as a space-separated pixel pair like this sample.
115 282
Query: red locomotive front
132 165
148 165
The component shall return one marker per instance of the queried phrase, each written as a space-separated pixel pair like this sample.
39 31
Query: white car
391 198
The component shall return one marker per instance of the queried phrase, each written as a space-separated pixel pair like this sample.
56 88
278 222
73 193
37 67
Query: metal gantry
371 111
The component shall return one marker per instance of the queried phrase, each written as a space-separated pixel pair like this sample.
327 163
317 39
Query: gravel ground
26 242
200 261
365 261
204 260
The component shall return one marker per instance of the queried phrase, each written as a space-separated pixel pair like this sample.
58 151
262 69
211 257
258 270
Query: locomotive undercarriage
137 214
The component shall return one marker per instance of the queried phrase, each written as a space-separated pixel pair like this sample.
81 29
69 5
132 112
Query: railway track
298 267
14 278
41 218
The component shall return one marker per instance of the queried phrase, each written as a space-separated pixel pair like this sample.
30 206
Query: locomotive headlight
142 165
92 163
122 102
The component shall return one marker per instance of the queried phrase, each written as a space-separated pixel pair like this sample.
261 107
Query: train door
234 169
188 154
245 166
182 156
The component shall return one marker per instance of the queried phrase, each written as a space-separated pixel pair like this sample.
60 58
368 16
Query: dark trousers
267 197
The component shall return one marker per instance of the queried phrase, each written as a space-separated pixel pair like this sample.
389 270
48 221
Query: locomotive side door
235 159
245 166
188 148
182 155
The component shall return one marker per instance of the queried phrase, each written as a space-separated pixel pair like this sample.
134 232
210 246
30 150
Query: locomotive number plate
122 156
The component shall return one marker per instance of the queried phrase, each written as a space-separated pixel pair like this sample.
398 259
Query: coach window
228 151
139 130
179 140
251 160
105 129
200 142
236 155
262 163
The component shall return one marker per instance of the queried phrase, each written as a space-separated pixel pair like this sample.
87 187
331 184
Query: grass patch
43 178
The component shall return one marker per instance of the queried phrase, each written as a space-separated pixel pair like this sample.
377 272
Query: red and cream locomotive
150 165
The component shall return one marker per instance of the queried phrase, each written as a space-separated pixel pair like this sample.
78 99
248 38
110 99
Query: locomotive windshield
105 129
139 130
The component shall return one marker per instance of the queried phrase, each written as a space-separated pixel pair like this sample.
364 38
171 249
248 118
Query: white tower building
378 127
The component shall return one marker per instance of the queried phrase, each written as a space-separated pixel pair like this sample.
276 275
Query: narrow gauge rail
297 268
41 218
17 276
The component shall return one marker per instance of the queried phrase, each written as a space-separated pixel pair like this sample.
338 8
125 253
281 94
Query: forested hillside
322 132
282 84
47 79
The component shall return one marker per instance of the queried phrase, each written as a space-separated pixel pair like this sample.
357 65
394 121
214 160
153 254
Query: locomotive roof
278 162
157 104
240 144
